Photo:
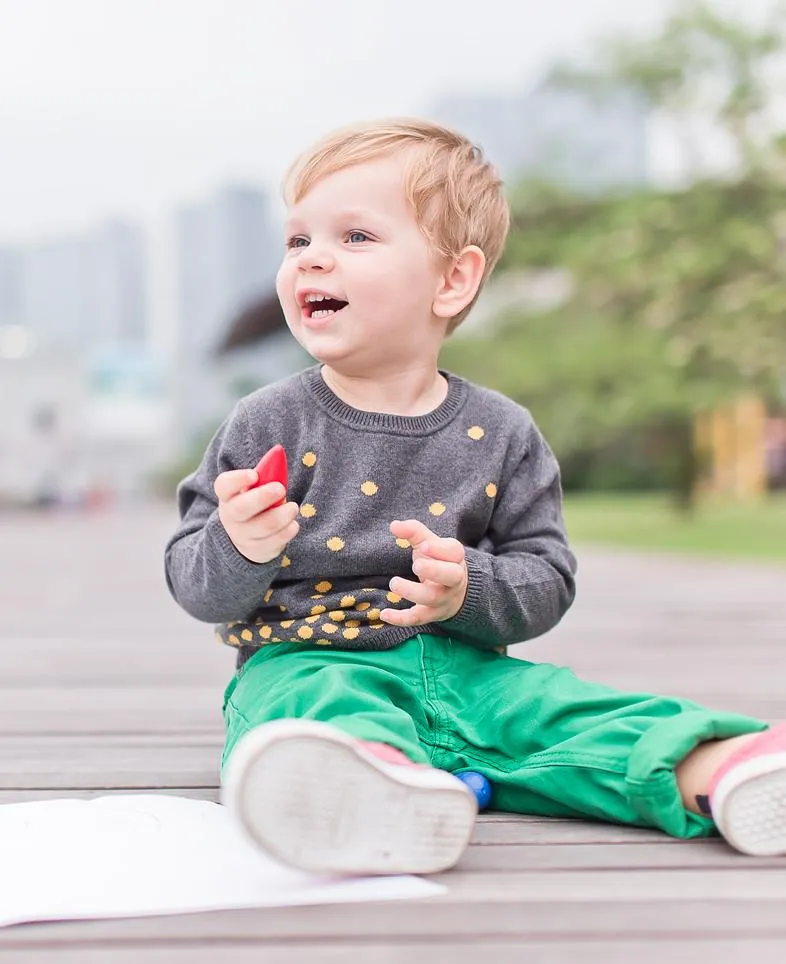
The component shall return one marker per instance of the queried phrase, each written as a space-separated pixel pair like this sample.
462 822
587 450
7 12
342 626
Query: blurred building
79 290
78 422
227 256
117 254
65 303
588 141
39 422
10 285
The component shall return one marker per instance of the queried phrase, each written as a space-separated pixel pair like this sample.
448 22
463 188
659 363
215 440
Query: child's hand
258 531
441 568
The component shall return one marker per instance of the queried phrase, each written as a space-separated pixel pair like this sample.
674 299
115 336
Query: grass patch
745 531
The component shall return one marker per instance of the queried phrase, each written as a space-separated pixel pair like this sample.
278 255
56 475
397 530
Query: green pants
549 743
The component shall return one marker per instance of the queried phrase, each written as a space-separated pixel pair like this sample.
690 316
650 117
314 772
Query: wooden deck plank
650 951
469 911
31 795
118 766
688 855
122 660
108 709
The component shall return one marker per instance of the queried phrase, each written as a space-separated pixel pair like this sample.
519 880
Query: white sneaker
314 798
747 795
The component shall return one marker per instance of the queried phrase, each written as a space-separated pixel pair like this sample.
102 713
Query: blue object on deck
479 785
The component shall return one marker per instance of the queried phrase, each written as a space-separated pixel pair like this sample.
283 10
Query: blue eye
358 237
297 242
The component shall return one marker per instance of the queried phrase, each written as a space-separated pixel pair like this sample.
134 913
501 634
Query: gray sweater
476 469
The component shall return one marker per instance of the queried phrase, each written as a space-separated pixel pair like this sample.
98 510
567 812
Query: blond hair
455 193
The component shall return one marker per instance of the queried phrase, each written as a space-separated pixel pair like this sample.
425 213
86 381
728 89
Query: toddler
421 533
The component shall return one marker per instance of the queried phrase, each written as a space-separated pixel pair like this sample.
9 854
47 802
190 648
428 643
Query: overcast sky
131 107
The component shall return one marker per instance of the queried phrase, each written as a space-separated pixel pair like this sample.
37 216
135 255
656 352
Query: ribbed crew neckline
426 424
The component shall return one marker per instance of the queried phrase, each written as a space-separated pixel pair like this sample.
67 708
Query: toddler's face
359 278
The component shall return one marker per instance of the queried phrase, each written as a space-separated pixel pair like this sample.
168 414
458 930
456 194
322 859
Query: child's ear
459 283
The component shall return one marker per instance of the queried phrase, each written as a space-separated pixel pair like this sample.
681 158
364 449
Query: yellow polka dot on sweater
316 610
476 433
282 609
286 561
311 619
352 623
378 625
491 490
310 459
403 543
351 633
335 544
286 623
308 511
247 635
361 607
369 487
337 616
268 595
394 597
305 632
233 639
347 602
265 632
323 586
373 615
323 642
437 508
329 628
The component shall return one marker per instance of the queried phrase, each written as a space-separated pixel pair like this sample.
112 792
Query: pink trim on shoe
387 753
748 795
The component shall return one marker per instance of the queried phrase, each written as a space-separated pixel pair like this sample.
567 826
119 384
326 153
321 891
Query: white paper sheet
144 854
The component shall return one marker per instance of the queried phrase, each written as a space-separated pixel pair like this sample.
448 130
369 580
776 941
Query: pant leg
374 696
555 745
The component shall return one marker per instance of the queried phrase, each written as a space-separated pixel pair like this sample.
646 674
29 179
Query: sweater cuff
231 558
478 591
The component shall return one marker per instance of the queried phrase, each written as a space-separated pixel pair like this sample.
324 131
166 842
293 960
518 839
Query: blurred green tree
675 299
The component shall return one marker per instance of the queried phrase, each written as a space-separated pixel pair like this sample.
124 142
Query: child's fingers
284 529
413 531
448 550
415 616
230 484
443 573
252 503
422 593
424 541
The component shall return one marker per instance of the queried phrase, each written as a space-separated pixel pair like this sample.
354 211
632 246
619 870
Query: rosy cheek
284 284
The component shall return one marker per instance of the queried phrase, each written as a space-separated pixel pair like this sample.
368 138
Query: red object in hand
272 467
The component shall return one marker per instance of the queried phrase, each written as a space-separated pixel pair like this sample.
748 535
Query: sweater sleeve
205 572
521 578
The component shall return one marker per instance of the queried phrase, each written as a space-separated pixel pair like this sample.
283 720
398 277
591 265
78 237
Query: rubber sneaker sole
314 799
749 805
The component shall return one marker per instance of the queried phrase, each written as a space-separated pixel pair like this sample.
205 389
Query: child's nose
316 257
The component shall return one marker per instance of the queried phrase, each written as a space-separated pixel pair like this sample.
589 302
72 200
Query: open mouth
322 306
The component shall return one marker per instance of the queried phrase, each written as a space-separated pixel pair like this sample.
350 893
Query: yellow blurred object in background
731 440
